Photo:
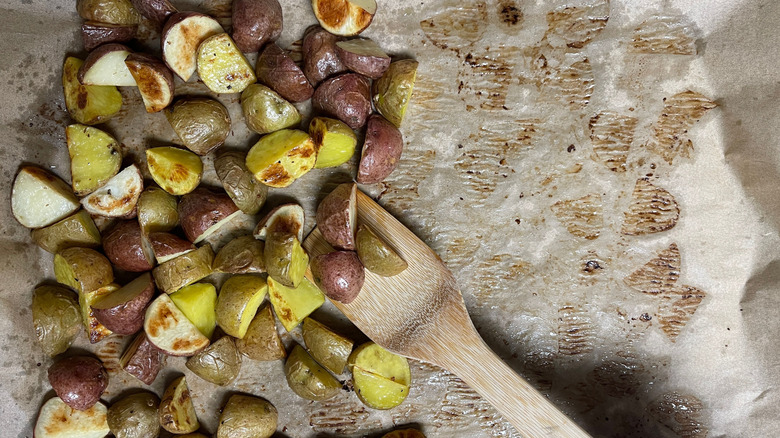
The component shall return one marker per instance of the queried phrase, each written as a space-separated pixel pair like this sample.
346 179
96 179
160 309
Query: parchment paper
617 252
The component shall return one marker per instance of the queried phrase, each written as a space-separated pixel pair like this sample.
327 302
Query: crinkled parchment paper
601 176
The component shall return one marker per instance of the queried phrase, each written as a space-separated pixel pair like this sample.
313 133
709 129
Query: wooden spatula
420 314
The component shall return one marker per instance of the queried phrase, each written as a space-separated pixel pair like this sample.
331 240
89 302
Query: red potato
363 56
256 22
106 66
203 211
344 17
181 36
142 359
285 218
346 97
155 10
339 274
277 69
336 216
320 59
154 80
167 246
122 311
118 197
79 381
124 245
381 150
94 33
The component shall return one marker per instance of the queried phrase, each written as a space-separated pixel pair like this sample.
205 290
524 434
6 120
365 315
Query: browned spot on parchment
488 75
510 16
592 267
575 331
509 135
576 26
571 83
460 249
432 103
659 274
456 25
680 413
342 414
495 274
681 111
618 376
611 134
677 308
401 188
480 170
582 217
652 210
461 406
663 34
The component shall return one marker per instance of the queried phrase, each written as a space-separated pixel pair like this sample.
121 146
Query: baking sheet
540 139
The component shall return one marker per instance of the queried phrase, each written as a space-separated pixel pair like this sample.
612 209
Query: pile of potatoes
157 235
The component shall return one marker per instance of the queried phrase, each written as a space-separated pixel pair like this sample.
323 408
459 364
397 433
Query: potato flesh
177 171
293 305
344 17
222 67
177 412
198 302
110 70
88 104
154 81
329 349
56 318
285 260
219 363
184 270
286 218
280 158
393 91
170 330
157 211
334 140
118 197
381 378
76 230
94 157
262 341
238 301
38 198
58 420
96 331
307 378
180 42
376 391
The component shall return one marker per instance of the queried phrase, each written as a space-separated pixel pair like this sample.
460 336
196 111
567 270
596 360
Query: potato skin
320 59
124 247
201 209
256 22
339 274
307 378
219 363
285 259
126 318
108 11
372 66
75 230
277 69
247 193
79 381
335 217
346 97
262 341
135 416
381 150
391 92
184 269
177 413
94 33
157 210
83 269
56 318
245 416
328 348
376 255
142 359
201 123
242 255
167 244
155 10
265 111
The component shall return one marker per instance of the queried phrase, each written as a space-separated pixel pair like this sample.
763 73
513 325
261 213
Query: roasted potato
198 302
79 381
83 269
381 378
222 67
118 197
75 230
180 38
247 416
393 91
177 171
38 198
376 255
56 318
184 270
157 211
262 341
320 60
122 311
307 378
95 33
169 329
155 10
346 97
280 158
339 274
334 140
382 150
135 416
219 363
246 192
96 331
154 80
88 104
238 300
177 412
242 255
95 157
106 66
201 123
336 216
285 260
265 111
256 22
277 69
293 305
127 248
204 211
363 56
167 246
328 348
285 218
344 17
142 359
58 420
108 11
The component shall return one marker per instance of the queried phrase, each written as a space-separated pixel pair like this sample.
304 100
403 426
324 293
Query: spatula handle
520 403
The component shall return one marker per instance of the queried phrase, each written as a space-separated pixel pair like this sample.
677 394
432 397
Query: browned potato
219 363
177 412
256 22
76 230
328 348
83 269
118 197
246 416
277 69
135 416
58 420
239 183
154 80
339 274
79 381
108 11
155 10
363 56
122 311
88 104
344 17
262 341
167 246
201 123
204 211
381 150
125 246
346 97
307 378
336 216
182 34
169 329
95 33
142 359
376 255
56 318
285 218
242 255
96 331
320 59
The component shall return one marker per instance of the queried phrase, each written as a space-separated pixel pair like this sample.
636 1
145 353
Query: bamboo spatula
420 314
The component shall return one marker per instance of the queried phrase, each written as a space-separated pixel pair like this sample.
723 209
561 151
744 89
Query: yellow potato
177 412
262 341
76 230
88 104
381 379
198 302
335 141
292 305
307 378
330 349
96 331
222 67
177 171
280 158
95 157
83 269
184 270
237 304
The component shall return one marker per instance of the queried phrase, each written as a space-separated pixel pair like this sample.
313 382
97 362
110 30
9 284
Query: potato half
184 270
182 34
157 211
108 11
346 97
344 17
177 412
167 246
219 363
122 311
266 111
376 255
95 33
293 305
222 67
277 69
204 211
320 59
95 157
38 198
96 331
335 141
238 301
246 416
79 381
88 104
242 255
83 269
339 274
142 359
393 91
56 318
382 150
177 171
239 183
127 247
307 378
256 22
285 218
58 420
118 197
170 330
336 216
285 259
135 416
75 230
198 302
154 80
262 341
280 158
201 123
381 378
327 347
